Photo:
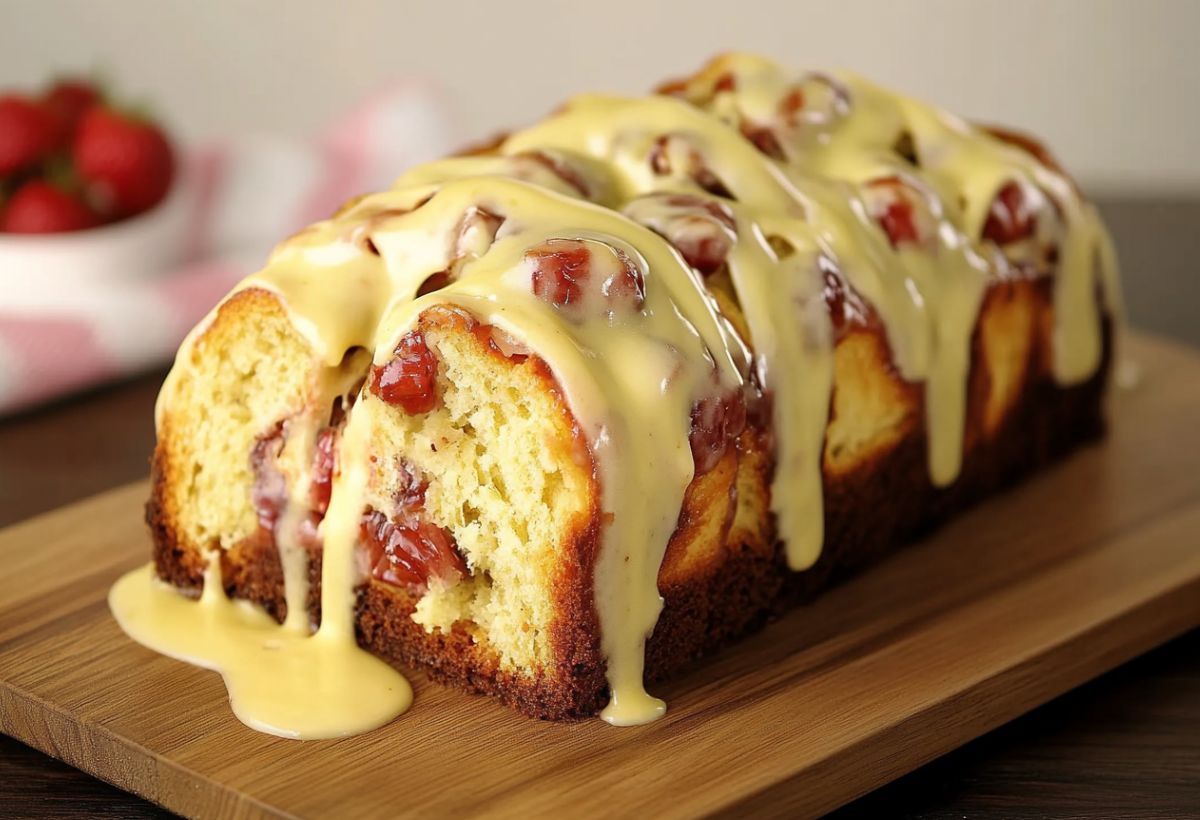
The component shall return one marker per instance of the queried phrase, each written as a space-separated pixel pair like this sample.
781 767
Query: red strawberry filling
497 340
764 140
845 306
269 493
434 282
321 488
405 549
674 146
409 552
816 100
408 379
585 278
560 269
897 222
410 496
893 205
1010 218
703 247
791 105
476 232
717 421
702 230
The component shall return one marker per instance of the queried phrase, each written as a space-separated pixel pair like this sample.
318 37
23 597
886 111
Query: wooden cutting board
1017 601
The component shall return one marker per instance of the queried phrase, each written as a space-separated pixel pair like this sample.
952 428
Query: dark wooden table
1125 745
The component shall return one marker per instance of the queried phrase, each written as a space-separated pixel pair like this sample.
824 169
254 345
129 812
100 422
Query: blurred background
1112 86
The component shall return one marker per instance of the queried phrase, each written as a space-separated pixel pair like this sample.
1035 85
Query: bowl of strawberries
90 193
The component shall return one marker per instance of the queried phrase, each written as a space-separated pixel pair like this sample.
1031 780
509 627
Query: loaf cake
557 415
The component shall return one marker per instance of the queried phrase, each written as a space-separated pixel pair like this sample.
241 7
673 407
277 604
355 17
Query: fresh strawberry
27 133
69 98
39 207
126 164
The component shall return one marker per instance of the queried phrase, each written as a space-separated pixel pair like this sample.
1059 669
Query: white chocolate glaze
280 681
793 178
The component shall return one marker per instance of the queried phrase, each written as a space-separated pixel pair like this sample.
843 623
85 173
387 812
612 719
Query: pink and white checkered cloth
238 200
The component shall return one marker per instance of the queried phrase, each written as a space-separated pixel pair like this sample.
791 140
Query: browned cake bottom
869 513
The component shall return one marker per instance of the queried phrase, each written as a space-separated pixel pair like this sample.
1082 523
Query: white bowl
42 271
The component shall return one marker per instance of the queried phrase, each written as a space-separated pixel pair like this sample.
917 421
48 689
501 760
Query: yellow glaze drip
280 680
802 206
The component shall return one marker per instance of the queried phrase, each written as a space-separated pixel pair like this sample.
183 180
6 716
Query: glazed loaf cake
601 396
